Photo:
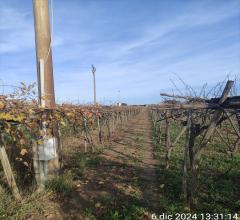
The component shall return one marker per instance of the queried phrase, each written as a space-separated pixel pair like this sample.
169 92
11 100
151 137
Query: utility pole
48 161
119 97
94 85
44 52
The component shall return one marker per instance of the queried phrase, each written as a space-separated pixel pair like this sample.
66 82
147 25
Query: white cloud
16 30
194 16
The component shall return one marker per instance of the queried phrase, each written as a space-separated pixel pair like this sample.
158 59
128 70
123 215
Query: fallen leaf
98 205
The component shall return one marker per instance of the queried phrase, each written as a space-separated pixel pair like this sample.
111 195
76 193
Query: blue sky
136 46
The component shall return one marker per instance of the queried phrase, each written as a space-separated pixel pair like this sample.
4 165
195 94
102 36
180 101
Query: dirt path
122 182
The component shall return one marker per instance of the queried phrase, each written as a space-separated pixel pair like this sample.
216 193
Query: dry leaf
98 205
23 151
22 141
2 105
25 163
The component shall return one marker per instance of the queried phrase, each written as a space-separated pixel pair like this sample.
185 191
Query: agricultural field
130 162
119 110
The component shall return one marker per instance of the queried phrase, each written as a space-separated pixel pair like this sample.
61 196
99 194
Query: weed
127 212
94 161
13 210
108 199
80 163
62 184
88 212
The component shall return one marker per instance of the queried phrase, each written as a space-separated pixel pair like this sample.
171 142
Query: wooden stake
186 161
99 129
9 173
167 140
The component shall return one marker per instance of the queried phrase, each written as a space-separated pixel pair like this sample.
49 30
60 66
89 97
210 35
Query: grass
89 214
118 209
128 212
93 160
78 166
62 184
11 209
219 179
113 208
79 161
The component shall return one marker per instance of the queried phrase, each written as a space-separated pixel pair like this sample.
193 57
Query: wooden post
60 146
109 128
99 129
113 121
86 137
121 119
36 163
117 118
159 132
8 172
167 139
186 161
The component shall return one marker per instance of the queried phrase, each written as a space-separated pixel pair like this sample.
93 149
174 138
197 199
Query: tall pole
45 83
94 85
44 50
119 97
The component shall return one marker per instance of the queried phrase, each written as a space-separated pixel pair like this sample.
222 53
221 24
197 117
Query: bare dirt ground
122 185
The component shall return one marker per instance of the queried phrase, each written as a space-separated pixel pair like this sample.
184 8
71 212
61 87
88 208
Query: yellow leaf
2 105
8 116
31 111
63 123
40 142
23 152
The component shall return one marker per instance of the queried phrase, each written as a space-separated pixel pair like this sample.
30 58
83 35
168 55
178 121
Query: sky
139 47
